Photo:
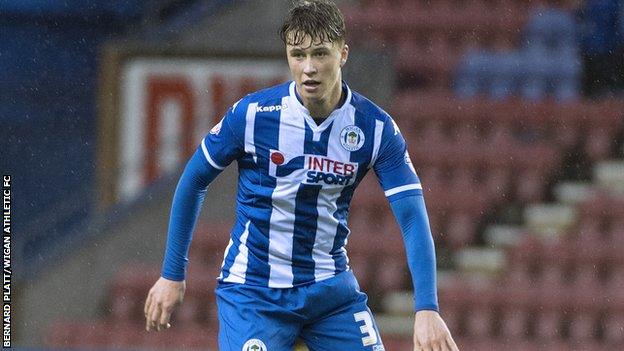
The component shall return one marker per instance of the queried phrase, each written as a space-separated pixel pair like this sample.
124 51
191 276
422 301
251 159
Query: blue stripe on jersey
234 249
266 136
342 231
319 147
367 125
304 233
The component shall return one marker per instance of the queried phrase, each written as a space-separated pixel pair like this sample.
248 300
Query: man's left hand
431 333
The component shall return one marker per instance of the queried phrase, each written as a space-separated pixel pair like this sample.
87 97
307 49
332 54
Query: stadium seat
583 326
190 312
461 230
479 321
599 144
613 328
397 343
60 334
547 324
514 323
392 274
124 335
530 186
125 308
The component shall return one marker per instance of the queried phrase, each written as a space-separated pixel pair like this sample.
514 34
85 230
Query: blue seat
473 74
564 76
506 73
534 83
550 29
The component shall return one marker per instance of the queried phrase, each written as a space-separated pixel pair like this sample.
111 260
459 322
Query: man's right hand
162 299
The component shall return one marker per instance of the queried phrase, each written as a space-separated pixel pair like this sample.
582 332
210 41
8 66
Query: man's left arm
430 331
403 190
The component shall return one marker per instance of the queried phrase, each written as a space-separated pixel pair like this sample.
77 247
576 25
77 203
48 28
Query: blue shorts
329 315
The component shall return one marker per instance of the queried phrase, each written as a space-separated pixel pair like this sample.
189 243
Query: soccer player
302 148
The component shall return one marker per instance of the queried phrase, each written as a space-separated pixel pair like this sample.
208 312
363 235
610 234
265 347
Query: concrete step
549 221
572 193
398 303
610 175
501 236
401 325
480 261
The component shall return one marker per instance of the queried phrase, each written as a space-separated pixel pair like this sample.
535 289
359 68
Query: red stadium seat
613 325
514 323
583 326
461 230
551 277
479 323
530 186
124 308
124 335
548 324
599 144
361 266
60 334
398 343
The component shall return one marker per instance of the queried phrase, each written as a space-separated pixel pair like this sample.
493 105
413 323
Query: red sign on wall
168 106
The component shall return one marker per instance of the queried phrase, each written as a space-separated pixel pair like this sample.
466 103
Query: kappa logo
351 138
271 108
254 345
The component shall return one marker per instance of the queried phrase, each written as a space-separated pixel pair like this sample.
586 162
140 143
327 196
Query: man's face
316 68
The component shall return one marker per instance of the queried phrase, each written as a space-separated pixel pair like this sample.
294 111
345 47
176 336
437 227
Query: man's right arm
187 201
168 292
217 150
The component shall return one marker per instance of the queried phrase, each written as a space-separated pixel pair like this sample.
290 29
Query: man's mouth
311 83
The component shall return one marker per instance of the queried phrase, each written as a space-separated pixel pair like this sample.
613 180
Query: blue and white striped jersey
296 180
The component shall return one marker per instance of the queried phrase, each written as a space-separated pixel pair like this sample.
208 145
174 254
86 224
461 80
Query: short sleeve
224 142
393 165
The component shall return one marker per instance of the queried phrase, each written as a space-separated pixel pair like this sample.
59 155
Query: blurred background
513 111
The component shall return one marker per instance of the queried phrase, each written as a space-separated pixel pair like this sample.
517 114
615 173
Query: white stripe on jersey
399 189
327 224
225 253
239 268
207 155
282 222
250 123
281 236
379 126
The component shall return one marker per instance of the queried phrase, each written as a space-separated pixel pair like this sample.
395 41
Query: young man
302 148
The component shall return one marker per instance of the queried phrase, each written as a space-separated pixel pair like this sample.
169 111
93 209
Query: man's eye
297 55
320 54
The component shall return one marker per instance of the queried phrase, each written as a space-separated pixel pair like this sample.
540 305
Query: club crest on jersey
351 138
254 345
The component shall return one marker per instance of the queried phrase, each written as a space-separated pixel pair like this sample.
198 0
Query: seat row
114 334
413 110
404 343
520 313
439 118
411 19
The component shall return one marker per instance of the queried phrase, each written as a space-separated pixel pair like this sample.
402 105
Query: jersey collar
298 103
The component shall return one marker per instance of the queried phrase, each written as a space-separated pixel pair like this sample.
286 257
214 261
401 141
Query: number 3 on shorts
367 329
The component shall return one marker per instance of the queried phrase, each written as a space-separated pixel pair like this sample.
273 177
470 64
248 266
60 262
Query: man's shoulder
263 98
365 107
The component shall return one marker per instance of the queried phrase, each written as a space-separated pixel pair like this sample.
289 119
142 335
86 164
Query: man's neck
321 109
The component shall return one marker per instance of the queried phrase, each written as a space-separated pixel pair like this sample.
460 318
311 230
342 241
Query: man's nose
308 67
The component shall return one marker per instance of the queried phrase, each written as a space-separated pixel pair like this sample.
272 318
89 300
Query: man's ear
344 55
